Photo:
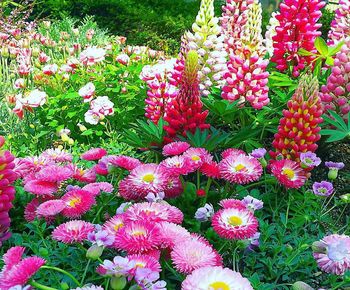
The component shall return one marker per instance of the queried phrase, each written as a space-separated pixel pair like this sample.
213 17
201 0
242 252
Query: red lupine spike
297 132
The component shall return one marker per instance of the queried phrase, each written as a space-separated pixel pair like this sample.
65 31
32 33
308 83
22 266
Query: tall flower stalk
184 112
298 28
7 191
246 76
299 128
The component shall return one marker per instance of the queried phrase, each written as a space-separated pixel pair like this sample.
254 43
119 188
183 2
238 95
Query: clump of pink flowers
340 26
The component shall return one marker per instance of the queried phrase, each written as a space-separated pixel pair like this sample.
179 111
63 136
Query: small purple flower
334 165
147 279
333 169
204 213
252 203
258 153
123 207
101 238
119 266
323 188
254 241
309 159
151 197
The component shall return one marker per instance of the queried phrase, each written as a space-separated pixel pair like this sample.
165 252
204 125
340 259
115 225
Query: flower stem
63 272
85 271
40 286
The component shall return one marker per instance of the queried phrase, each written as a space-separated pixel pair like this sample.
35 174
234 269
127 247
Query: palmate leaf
341 131
208 139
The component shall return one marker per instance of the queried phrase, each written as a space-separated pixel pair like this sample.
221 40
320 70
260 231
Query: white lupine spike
271 32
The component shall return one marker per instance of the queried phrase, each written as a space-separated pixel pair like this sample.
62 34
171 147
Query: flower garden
223 167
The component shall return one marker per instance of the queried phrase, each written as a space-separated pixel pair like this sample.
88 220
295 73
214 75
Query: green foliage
341 129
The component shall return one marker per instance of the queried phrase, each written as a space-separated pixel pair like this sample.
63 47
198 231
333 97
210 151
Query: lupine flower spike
246 77
340 26
184 113
298 28
298 130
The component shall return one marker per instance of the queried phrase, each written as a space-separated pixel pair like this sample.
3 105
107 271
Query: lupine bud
298 130
298 28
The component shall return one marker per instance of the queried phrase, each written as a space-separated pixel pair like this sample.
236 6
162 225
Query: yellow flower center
74 201
81 172
289 172
138 233
219 286
2 167
1 176
195 158
140 265
235 221
239 167
118 226
148 178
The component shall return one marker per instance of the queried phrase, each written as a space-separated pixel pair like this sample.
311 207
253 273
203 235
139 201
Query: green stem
287 212
63 272
267 181
40 286
85 271
341 214
198 179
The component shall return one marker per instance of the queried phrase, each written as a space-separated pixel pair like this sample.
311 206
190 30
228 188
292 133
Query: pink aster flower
144 261
122 161
240 169
332 254
232 203
174 187
172 234
197 156
177 165
148 178
50 208
54 173
18 271
193 254
71 232
77 202
233 223
40 187
30 211
288 173
215 278
175 148
138 237
154 212
97 187
211 169
232 152
114 224
94 154
83 175
57 155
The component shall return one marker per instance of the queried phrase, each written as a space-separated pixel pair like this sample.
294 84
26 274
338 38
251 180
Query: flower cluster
246 76
298 130
335 94
297 28
44 177
7 191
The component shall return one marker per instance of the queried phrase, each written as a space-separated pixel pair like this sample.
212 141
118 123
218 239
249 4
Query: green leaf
87 132
329 61
334 49
321 46
304 52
